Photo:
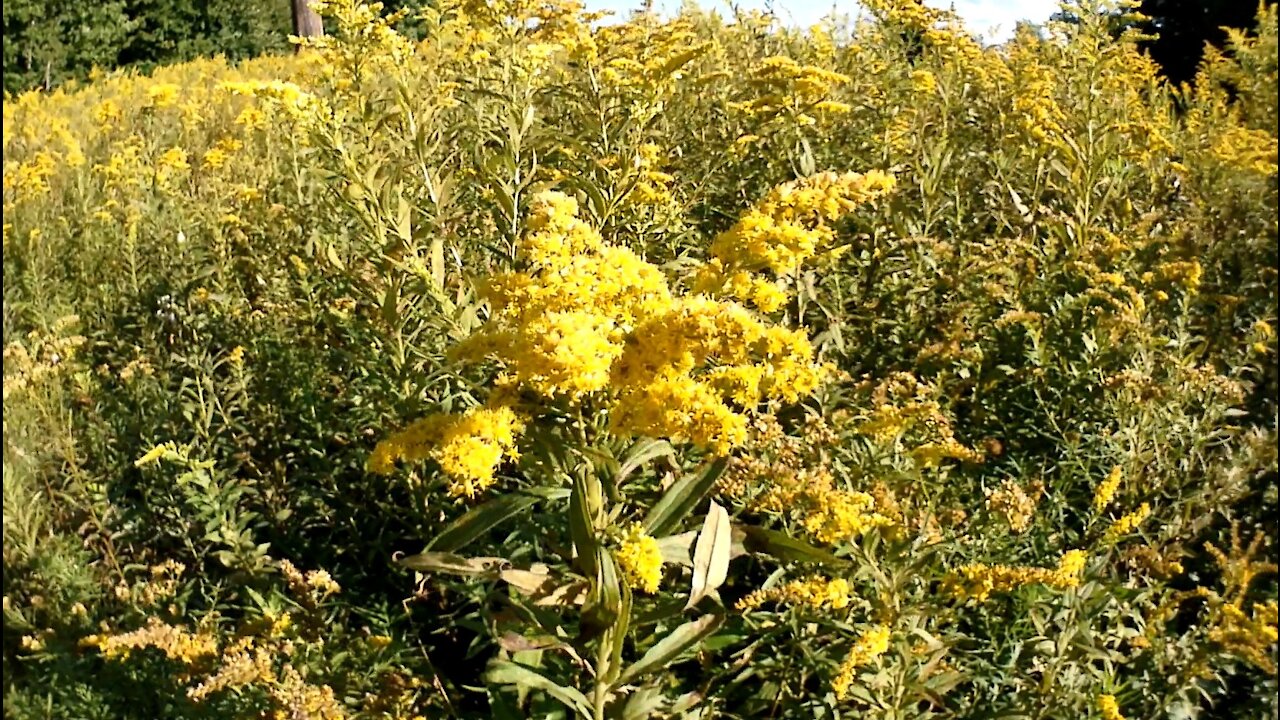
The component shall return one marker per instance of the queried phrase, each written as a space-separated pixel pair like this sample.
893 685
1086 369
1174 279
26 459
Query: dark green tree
1184 26
48 41
176 30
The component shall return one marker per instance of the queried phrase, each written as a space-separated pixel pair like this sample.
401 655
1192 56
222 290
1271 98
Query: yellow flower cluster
1015 502
175 642
30 179
647 58
369 42
786 474
815 592
1034 105
1109 708
42 358
294 697
834 516
660 395
298 104
1249 637
1106 490
587 317
160 584
163 95
469 446
243 663
313 586
156 454
1127 524
904 410
978 581
787 87
246 661
33 643
640 559
901 401
790 224
560 326
1154 562
933 453
1186 273
1247 148
871 644
651 187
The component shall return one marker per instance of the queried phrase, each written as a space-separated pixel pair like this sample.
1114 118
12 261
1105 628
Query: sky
981 15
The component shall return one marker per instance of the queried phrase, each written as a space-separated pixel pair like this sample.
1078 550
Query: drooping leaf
711 556
544 588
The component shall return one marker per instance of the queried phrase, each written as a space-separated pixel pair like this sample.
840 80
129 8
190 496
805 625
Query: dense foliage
673 368
47 42
1182 29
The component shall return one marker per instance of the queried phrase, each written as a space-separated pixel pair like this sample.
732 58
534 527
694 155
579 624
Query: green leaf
390 311
682 497
482 518
641 453
679 61
504 672
598 204
616 635
711 555
437 262
331 253
672 646
675 548
785 547
452 564
643 703
582 523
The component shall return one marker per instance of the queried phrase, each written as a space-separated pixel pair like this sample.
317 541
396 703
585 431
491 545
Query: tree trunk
306 23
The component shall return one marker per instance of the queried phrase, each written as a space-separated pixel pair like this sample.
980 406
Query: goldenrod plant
668 367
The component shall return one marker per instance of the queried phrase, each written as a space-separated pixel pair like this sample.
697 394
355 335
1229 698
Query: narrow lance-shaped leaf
641 453
485 517
672 646
452 564
582 524
503 672
785 547
682 497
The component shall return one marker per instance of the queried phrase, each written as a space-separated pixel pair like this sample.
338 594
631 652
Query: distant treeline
49 41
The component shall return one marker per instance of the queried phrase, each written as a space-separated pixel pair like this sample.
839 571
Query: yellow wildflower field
691 367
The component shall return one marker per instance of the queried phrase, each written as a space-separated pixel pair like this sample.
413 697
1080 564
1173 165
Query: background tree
1182 27
306 22
47 41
